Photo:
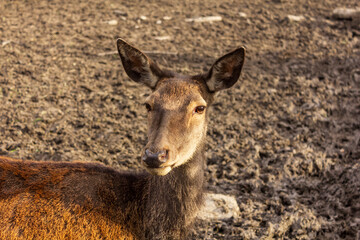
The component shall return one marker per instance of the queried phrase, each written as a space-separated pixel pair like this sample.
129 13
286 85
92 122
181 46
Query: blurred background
284 141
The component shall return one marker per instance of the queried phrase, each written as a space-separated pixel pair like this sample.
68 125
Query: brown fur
52 200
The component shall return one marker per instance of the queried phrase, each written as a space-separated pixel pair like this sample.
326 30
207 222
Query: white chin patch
159 171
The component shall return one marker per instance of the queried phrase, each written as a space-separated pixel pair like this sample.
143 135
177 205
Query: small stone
50 114
204 19
162 38
271 90
346 13
242 15
293 18
112 22
5 43
120 13
158 22
166 18
144 18
219 207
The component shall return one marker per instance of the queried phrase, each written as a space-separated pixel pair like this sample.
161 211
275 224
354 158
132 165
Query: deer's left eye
199 109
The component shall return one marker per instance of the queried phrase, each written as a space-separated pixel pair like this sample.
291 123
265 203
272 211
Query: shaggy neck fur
172 201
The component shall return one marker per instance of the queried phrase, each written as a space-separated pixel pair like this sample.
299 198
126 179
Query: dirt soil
284 140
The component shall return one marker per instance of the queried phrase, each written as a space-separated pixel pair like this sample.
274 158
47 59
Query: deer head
178 105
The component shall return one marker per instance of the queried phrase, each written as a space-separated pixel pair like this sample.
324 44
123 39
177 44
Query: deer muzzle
155 159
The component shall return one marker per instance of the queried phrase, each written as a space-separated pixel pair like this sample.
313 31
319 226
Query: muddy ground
284 140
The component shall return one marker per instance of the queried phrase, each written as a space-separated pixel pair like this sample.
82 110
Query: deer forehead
177 95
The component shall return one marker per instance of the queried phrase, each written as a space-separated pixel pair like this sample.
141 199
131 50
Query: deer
87 200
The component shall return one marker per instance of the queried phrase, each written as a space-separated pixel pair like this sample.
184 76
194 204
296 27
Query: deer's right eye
148 107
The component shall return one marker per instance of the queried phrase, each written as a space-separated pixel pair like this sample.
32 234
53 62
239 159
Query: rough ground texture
284 140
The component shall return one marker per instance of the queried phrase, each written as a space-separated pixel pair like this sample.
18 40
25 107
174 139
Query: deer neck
173 200
182 183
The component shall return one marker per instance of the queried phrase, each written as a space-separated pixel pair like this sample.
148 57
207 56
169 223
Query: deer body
90 201
54 200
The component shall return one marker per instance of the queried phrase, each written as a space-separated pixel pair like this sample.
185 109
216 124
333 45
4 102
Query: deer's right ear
138 66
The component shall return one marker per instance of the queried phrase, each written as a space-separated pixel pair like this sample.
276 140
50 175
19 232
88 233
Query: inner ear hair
225 72
138 66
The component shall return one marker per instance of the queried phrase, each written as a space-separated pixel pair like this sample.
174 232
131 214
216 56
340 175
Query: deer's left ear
225 72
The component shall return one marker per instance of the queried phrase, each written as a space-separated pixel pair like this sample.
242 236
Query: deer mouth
159 171
157 163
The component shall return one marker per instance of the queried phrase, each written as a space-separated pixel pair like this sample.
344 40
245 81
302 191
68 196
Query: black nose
154 160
